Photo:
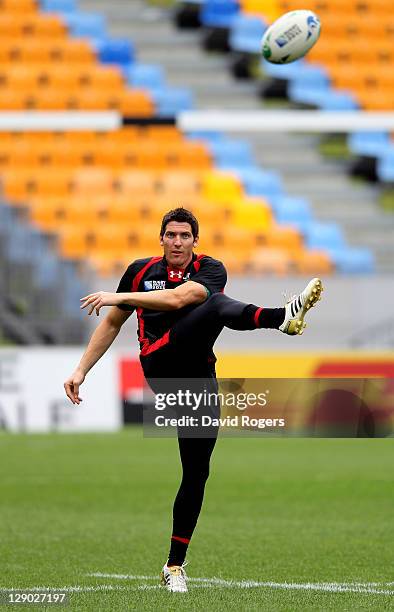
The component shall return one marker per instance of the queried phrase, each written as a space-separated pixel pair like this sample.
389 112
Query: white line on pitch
332 587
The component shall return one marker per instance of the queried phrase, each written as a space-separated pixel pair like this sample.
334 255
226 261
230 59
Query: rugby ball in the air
290 37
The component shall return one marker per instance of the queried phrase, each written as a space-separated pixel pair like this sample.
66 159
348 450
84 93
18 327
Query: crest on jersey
152 285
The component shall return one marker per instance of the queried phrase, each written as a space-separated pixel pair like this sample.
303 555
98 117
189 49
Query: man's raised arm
161 299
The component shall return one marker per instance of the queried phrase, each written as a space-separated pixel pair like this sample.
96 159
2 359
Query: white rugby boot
174 578
297 307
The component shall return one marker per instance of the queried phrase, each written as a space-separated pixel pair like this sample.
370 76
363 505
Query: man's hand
95 301
72 385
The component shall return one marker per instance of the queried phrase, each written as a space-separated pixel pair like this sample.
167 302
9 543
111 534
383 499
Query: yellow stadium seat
269 9
251 213
221 186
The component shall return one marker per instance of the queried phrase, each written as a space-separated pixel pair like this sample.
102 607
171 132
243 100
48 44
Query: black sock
268 318
178 550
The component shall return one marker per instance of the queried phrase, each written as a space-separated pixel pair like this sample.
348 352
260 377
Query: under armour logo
174 274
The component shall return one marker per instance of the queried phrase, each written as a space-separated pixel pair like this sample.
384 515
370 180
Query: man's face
178 244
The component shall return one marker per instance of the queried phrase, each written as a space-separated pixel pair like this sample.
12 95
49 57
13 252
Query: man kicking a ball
181 310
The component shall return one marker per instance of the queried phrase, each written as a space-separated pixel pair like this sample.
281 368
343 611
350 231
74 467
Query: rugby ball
290 37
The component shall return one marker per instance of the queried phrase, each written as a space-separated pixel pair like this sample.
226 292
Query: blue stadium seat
314 77
91 25
353 260
58 6
229 153
219 13
325 236
246 34
385 166
115 51
372 144
258 182
282 71
170 101
322 97
293 211
148 76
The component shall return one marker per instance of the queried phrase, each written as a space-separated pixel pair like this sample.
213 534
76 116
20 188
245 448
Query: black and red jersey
154 273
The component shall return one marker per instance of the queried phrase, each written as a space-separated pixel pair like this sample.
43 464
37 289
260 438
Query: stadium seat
231 154
191 155
268 260
313 262
58 6
146 76
235 263
43 50
135 103
353 260
251 213
268 9
31 25
170 101
285 237
326 99
372 144
180 184
310 76
246 34
258 182
115 51
324 236
92 25
18 6
137 183
292 211
221 186
18 185
219 13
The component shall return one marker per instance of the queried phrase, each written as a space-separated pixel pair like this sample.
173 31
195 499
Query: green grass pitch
280 512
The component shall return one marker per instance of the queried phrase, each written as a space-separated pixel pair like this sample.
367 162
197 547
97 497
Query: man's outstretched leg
204 323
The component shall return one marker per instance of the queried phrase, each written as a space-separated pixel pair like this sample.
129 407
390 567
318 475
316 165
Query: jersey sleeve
126 283
212 274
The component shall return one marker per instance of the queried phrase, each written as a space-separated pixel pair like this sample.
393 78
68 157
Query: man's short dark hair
181 215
